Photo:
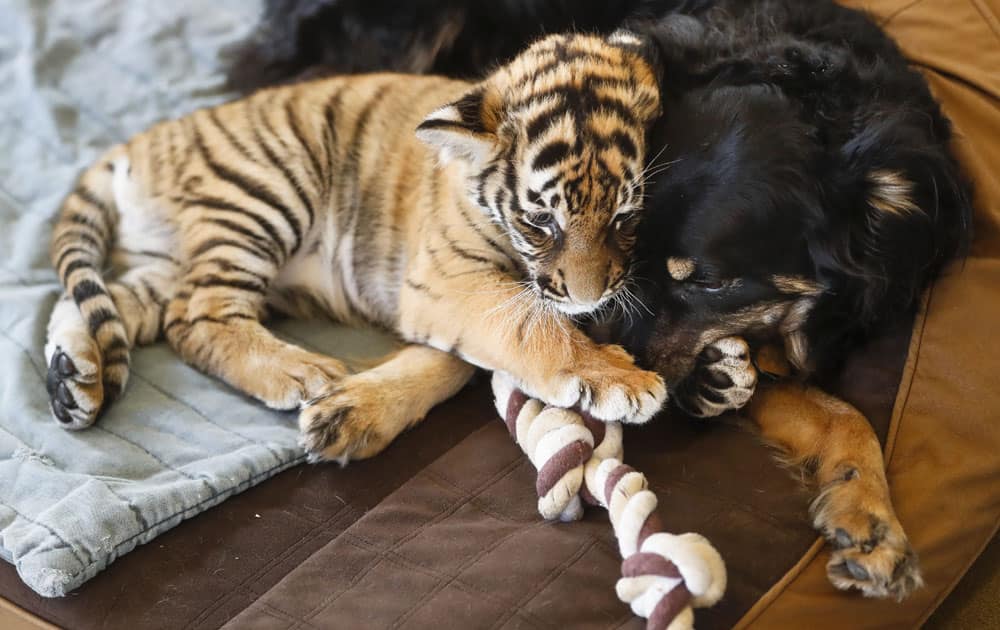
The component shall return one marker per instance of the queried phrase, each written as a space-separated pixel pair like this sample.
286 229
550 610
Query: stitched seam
442 514
327 601
456 577
394 557
202 415
988 16
244 585
883 22
539 586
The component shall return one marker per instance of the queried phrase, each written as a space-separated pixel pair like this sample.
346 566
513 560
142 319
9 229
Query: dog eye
710 286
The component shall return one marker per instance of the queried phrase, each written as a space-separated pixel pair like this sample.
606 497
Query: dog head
767 220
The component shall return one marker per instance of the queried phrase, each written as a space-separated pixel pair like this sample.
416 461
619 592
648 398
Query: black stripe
262 243
479 231
153 293
79 219
625 144
541 123
281 164
330 132
583 102
203 319
76 264
423 288
89 196
78 236
116 361
213 203
85 290
568 55
213 243
252 188
226 266
552 154
461 252
116 343
98 318
211 281
296 126
232 139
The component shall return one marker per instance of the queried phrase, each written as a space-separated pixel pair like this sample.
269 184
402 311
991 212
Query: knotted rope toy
579 461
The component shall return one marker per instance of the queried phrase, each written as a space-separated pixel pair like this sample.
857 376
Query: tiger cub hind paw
74 385
615 390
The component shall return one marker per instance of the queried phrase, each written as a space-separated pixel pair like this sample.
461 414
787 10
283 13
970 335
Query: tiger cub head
554 144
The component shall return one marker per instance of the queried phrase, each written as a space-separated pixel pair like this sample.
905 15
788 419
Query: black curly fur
778 113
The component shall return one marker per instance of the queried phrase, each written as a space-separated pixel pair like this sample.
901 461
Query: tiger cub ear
465 129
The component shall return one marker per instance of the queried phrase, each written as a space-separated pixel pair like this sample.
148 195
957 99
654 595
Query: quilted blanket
78 76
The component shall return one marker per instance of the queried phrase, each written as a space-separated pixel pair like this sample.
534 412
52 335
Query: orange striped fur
474 230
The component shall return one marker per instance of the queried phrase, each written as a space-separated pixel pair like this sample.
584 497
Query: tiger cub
477 238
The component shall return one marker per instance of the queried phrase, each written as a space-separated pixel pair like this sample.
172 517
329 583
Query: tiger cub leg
836 446
213 323
498 328
82 378
364 412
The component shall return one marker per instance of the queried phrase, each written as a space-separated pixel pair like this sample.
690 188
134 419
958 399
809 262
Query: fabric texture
442 529
79 76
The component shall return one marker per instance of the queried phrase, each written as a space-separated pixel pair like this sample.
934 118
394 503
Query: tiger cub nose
586 290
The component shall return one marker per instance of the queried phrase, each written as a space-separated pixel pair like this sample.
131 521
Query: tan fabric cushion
944 443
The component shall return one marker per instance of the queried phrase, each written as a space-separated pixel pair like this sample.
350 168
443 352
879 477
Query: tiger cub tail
87 348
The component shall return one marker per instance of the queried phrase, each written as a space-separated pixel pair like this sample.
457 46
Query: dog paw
613 389
723 379
349 422
74 384
871 553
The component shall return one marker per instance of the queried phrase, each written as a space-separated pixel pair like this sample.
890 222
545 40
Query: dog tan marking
680 269
837 450
892 193
796 285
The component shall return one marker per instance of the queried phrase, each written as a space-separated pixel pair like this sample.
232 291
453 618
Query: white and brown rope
664 576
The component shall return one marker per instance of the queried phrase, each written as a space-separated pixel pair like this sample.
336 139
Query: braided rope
579 461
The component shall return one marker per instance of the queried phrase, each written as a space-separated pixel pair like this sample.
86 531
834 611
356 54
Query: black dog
801 188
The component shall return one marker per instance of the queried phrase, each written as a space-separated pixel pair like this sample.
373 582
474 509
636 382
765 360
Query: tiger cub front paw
613 389
353 420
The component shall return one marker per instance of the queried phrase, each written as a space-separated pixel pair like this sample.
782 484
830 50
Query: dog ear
465 129
896 209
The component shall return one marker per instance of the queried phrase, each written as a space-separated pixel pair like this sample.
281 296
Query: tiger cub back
510 209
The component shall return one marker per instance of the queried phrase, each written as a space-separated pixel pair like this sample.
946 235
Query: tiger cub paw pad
74 386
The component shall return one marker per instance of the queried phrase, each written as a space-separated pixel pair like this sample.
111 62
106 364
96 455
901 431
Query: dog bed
441 530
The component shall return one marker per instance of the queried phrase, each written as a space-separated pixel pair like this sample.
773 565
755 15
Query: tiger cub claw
343 424
615 390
